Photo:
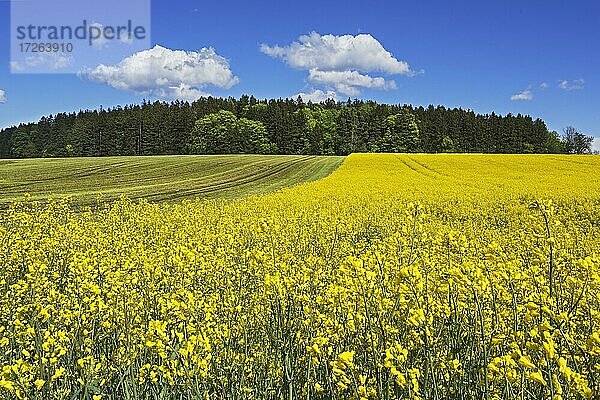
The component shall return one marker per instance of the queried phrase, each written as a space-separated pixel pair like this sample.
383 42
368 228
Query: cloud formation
317 96
167 74
2 96
576 84
348 82
526 95
338 53
54 61
342 63
596 144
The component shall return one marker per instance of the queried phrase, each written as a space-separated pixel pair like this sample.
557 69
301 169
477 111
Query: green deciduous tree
224 133
576 142
401 133
254 137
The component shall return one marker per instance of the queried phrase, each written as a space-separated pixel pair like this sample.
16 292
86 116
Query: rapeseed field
396 277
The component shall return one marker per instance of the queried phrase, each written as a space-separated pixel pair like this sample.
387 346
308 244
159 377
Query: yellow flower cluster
421 277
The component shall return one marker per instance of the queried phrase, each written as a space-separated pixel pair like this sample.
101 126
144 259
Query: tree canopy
281 126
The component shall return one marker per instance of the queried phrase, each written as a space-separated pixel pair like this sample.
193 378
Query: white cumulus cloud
54 61
338 53
348 82
100 42
317 96
596 144
576 84
342 63
168 74
2 96
524 95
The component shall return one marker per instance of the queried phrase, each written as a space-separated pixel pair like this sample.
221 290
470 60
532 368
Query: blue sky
471 54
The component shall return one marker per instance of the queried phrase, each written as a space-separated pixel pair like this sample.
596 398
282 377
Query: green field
158 178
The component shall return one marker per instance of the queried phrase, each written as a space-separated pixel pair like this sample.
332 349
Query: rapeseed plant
420 277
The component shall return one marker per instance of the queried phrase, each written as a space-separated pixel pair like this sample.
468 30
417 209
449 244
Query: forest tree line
282 126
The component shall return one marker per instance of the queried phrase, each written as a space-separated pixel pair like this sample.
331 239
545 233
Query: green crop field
157 178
